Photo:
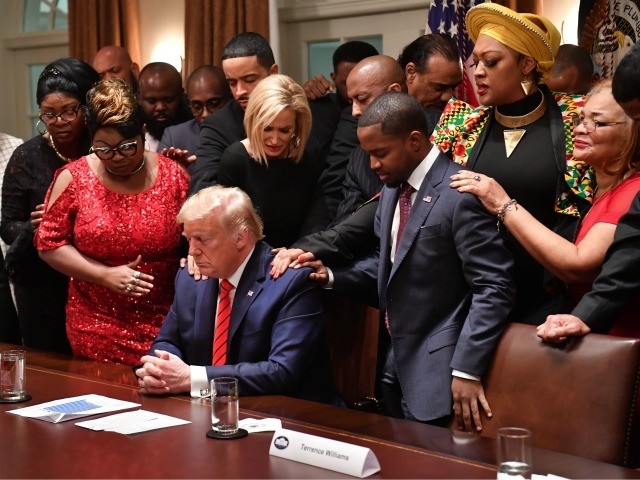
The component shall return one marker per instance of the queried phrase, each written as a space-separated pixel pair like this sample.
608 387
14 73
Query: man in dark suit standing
269 334
207 91
442 274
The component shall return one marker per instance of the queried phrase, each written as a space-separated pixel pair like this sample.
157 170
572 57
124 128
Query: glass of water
514 453
12 375
224 405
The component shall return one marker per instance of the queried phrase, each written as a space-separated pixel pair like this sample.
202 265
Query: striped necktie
222 323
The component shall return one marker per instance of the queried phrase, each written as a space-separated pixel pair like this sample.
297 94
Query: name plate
324 453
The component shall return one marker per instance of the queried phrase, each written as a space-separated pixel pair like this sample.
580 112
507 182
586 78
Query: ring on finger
137 275
128 288
476 178
134 281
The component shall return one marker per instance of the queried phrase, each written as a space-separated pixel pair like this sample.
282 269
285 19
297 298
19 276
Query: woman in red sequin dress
110 225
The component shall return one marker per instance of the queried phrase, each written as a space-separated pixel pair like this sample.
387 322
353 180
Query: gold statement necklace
513 137
60 156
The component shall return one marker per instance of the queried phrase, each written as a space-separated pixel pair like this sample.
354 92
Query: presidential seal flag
608 29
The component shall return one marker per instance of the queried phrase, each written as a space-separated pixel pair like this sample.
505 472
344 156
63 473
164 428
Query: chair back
577 398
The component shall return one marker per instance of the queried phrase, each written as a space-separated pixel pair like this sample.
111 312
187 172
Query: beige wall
161 23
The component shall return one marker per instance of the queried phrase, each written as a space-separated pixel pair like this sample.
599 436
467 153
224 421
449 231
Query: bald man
113 61
161 97
207 91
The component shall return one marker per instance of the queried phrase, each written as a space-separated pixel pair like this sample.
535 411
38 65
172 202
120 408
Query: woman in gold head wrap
522 137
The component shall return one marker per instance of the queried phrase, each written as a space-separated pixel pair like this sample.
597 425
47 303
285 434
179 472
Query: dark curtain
210 24
96 23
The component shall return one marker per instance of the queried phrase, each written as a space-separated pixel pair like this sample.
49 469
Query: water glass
12 375
224 405
514 453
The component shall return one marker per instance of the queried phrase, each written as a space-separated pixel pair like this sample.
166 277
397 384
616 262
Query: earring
526 85
295 141
38 124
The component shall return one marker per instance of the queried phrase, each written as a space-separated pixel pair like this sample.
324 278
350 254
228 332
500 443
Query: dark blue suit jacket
276 333
447 294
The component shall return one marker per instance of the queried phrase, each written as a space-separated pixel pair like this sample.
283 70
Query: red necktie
404 202
222 324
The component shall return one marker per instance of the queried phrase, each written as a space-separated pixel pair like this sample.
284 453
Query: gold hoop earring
526 86
38 123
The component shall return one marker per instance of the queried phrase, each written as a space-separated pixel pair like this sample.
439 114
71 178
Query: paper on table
73 407
550 476
128 423
253 425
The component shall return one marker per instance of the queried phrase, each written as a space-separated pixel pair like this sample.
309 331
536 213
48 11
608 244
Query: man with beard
161 97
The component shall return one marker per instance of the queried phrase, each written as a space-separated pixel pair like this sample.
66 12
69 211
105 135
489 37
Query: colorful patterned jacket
462 126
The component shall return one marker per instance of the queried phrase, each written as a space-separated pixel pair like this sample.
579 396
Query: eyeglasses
590 125
212 105
106 153
65 116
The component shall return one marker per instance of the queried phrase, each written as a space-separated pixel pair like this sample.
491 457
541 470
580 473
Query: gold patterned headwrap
525 33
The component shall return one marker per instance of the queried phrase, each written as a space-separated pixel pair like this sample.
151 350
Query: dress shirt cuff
459 374
329 284
199 382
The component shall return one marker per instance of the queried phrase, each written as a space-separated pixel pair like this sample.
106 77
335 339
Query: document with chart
73 407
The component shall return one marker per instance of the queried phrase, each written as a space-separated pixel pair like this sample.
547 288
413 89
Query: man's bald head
113 61
370 78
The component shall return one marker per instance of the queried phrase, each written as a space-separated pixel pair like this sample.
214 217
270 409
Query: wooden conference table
32 448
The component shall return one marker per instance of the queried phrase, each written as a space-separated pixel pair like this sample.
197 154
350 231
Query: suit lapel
426 198
249 287
205 318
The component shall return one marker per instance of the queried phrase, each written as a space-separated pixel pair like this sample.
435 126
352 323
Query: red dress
114 228
608 209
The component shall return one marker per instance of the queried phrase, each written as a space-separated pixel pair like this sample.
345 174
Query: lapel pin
427 199
250 293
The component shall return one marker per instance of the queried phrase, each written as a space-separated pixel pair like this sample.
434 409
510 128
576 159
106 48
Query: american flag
447 17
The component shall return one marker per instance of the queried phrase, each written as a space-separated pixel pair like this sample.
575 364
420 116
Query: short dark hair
214 71
161 67
69 75
626 78
352 52
397 113
248 44
423 48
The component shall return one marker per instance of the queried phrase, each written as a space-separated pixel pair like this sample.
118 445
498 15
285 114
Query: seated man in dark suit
208 91
269 334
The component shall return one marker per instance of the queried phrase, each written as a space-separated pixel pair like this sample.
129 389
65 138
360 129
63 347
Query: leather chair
577 398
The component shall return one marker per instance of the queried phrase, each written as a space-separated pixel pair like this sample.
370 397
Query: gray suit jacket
447 294
184 136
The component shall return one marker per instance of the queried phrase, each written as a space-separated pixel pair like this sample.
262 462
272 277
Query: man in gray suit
207 91
442 273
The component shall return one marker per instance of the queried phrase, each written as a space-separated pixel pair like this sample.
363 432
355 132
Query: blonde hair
271 96
112 103
628 161
230 205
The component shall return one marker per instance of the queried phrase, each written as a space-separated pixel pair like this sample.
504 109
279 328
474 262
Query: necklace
53 145
138 168
513 137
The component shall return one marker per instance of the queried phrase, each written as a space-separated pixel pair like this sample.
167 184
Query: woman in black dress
277 165
41 292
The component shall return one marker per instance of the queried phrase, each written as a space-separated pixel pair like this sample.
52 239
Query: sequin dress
114 228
